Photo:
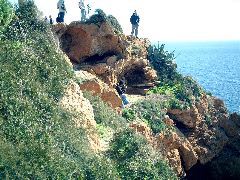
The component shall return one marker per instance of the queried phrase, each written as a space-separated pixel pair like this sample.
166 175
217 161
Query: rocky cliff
100 58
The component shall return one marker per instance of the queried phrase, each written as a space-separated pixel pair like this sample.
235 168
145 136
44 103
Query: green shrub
181 89
104 114
162 62
115 24
99 17
128 114
27 20
151 111
6 14
135 159
39 139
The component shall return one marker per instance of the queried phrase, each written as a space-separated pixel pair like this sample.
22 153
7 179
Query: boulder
81 42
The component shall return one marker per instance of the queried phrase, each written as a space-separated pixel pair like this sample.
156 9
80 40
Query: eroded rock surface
110 57
194 137
82 111
92 84
100 58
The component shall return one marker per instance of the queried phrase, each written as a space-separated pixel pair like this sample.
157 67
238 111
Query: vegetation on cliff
100 17
182 89
38 138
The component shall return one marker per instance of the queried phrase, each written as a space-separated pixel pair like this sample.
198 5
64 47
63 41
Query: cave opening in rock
65 42
95 59
136 80
182 127
135 77
198 172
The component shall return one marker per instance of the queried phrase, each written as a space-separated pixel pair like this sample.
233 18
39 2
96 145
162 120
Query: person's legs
133 29
83 15
61 16
124 99
136 30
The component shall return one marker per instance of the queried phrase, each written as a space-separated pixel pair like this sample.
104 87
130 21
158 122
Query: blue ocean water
215 65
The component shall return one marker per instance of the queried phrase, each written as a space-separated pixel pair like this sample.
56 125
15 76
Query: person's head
122 81
135 12
50 16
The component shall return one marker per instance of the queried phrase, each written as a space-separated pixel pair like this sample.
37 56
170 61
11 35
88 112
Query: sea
214 65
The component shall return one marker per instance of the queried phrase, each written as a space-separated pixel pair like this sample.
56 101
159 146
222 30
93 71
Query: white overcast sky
165 20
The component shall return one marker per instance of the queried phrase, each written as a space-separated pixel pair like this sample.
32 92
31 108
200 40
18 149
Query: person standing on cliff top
83 10
50 20
134 21
62 11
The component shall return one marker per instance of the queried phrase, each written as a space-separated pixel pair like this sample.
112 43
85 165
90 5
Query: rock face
110 57
83 42
82 110
101 58
198 134
92 84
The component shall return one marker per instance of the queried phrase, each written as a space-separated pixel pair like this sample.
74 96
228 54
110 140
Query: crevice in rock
135 76
182 127
198 172
137 82
225 166
96 59
65 42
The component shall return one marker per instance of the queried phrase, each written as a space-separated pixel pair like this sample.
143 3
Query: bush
181 89
162 62
115 24
135 159
39 139
104 114
99 17
151 111
182 93
6 14
40 134
27 20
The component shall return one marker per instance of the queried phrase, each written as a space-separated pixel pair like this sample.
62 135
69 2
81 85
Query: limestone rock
235 118
190 117
82 110
142 128
176 141
97 87
98 50
82 41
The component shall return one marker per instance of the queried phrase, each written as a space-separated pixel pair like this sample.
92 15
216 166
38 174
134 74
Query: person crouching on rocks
121 89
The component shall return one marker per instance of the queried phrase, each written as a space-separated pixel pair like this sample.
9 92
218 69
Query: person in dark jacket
134 21
50 20
121 89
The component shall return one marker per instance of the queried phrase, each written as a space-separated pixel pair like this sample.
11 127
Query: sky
164 20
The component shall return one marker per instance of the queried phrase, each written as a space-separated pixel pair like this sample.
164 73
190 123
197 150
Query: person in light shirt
62 10
83 10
